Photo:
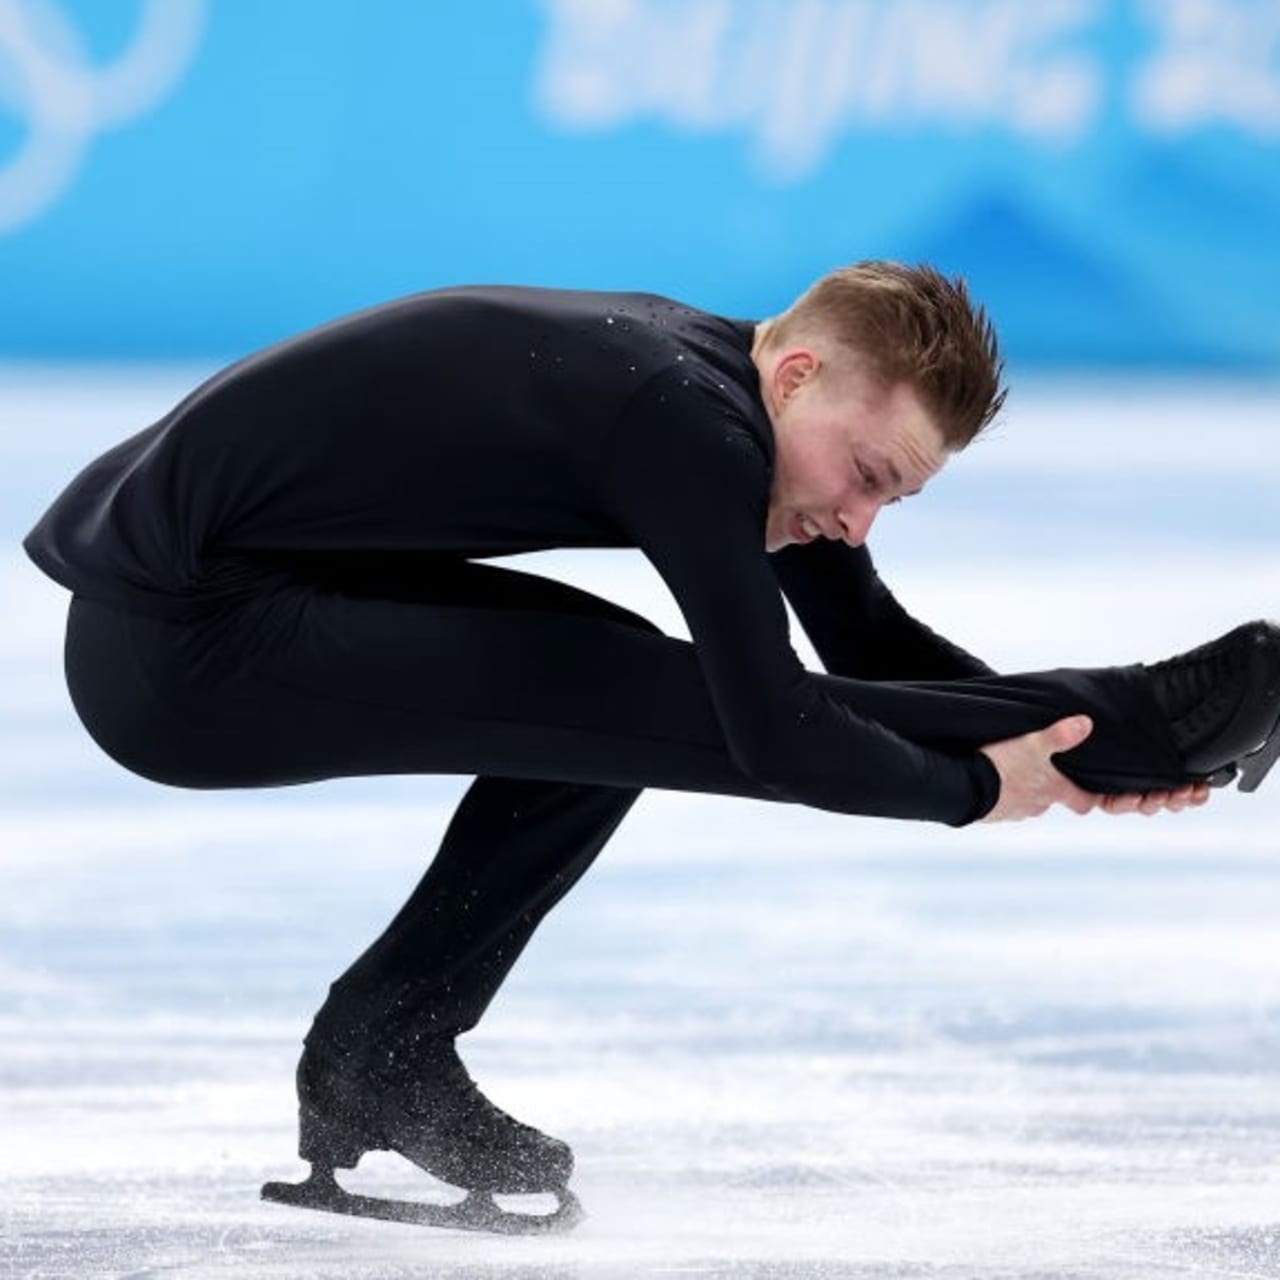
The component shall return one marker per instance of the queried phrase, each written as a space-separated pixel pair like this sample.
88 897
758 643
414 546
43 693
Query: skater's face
844 447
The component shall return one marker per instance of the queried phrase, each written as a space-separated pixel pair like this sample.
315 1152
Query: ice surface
783 1043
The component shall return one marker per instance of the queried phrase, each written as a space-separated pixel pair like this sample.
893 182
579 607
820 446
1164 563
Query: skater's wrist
986 787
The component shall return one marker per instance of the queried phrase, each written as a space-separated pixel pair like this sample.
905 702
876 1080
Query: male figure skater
283 580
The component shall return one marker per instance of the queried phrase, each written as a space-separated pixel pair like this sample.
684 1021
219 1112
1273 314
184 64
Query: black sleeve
686 481
856 626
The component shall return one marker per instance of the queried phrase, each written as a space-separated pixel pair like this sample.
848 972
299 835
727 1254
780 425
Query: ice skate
1221 701
436 1117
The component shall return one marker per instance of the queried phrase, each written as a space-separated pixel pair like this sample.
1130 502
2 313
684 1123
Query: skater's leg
513 849
303 685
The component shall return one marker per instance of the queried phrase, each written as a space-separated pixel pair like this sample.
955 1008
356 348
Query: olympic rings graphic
48 82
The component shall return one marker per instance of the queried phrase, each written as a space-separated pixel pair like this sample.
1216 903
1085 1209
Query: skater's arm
856 626
689 485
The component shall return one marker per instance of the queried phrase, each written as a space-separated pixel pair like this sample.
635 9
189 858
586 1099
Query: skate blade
477 1212
1255 767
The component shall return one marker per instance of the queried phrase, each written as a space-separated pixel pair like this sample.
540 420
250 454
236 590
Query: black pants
564 705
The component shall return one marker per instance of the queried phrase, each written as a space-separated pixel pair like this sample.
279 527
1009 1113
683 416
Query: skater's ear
793 370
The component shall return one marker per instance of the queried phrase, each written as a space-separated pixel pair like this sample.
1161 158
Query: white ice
782 1042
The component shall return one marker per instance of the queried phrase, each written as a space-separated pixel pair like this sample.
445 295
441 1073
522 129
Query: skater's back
467 420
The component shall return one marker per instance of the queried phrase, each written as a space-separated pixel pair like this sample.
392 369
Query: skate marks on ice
1035 1065
182 1231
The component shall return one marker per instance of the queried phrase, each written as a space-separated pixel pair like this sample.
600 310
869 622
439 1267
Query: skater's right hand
1029 781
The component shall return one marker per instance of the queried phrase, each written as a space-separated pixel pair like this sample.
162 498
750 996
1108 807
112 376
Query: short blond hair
912 325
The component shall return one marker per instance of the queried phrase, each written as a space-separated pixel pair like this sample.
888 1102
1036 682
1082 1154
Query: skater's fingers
1190 796
1076 799
1126 802
1152 802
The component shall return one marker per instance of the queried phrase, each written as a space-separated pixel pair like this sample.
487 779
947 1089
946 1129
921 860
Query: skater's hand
1029 782
1193 794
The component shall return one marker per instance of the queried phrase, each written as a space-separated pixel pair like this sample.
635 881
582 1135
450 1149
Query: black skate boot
1221 702
426 1108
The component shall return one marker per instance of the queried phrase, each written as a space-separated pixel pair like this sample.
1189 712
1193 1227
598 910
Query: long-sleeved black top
487 420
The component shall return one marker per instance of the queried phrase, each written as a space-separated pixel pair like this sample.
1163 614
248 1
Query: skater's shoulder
689 425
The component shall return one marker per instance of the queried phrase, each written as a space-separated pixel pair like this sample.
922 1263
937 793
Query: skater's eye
868 479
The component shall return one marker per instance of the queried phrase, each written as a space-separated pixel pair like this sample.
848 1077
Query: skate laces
440 1086
1193 687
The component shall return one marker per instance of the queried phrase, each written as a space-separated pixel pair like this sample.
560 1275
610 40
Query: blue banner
199 177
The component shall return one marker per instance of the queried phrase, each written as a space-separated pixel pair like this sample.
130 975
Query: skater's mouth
804 528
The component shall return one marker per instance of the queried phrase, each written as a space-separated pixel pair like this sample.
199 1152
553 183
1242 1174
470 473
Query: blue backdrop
191 177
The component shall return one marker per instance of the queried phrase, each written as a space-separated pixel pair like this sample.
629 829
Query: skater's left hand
1193 794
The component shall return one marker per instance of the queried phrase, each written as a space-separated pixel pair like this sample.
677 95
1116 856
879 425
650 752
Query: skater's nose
855 519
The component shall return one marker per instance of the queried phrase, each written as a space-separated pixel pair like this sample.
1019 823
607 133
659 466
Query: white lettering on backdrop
796 74
799 72
1216 62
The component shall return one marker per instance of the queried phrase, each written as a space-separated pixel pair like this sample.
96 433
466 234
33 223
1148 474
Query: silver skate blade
1255 767
477 1212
